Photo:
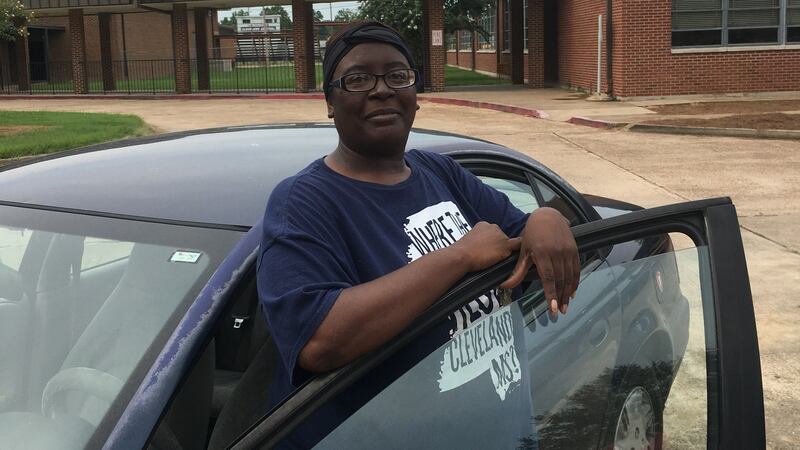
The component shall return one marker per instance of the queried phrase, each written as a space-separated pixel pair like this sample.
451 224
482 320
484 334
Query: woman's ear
330 111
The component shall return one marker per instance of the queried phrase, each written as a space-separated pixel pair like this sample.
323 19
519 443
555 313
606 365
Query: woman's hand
484 246
548 244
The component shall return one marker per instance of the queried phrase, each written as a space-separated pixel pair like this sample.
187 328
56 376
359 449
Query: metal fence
249 74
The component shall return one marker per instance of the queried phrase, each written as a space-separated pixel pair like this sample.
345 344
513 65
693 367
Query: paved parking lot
762 177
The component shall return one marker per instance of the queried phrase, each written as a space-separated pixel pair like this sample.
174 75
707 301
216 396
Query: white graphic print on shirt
489 345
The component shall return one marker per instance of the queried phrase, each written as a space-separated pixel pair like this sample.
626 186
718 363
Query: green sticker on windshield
183 256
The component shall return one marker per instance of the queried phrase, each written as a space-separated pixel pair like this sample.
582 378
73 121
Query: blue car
129 316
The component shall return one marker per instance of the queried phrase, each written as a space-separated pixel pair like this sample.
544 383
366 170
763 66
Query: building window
734 22
525 26
488 22
507 25
793 21
465 40
450 41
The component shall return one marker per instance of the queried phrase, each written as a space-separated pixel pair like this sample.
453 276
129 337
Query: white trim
745 48
486 51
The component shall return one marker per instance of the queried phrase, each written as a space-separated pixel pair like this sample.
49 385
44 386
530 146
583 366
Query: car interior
81 326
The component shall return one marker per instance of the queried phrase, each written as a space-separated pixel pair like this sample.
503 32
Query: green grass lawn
54 131
245 77
454 76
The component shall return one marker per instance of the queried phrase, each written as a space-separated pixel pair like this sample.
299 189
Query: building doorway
37 52
551 42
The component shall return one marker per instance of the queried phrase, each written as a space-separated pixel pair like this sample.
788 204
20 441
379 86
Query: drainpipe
609 59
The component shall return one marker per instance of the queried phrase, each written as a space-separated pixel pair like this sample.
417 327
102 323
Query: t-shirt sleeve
489 204
300 276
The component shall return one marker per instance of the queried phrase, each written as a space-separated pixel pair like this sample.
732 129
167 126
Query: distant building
258 24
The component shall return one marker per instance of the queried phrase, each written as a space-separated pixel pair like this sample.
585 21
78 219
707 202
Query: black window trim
711 222
528 175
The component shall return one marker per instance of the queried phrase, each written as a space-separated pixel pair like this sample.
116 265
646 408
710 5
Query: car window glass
520 194
625 368
98 252
13 242
77 341
557 202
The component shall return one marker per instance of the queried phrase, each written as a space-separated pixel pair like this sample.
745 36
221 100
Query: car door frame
739 422
523 169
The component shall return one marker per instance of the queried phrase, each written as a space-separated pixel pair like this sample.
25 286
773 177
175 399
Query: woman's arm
366 316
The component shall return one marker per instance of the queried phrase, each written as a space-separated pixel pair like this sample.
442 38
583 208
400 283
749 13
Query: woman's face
375 122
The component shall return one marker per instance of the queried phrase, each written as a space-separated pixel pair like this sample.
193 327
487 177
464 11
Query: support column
433 23
180 49
517 41
535 21
23 63
474 50
77 39
303 35
458 46
201 46
106 58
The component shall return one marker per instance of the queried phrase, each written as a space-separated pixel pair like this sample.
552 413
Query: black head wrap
359 33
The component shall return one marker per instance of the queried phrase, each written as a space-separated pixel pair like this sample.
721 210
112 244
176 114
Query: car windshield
86 305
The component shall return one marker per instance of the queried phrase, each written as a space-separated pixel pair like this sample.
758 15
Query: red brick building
650 48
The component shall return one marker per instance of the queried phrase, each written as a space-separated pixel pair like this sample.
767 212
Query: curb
289 96
518 110
595 123
709 131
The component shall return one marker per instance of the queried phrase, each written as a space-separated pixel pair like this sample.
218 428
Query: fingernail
554 305
564 309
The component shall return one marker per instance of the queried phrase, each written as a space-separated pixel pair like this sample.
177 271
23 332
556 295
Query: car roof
215 176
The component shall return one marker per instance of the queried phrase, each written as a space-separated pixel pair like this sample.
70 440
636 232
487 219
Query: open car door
658 350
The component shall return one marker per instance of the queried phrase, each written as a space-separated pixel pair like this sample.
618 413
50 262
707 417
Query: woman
362 241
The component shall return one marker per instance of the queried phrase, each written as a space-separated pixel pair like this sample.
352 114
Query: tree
463 15
231 21
346 15
318 16
406 17
13 20
278 10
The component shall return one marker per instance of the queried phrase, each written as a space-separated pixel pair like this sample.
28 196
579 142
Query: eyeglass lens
366 81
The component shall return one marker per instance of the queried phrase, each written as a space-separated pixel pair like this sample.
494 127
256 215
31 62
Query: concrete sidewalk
559 104
562 105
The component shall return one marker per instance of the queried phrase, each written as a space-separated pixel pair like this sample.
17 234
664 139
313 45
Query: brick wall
433 19
303 35
484 61
183 69
78 51
645 66
534 64
577 42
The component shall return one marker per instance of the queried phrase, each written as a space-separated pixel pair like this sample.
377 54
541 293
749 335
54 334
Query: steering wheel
94 382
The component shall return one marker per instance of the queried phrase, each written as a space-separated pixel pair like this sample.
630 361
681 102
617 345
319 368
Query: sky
325 8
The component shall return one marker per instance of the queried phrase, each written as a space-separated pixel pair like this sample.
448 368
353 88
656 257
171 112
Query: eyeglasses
362 82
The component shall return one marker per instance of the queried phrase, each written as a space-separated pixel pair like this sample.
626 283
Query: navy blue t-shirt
324 232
